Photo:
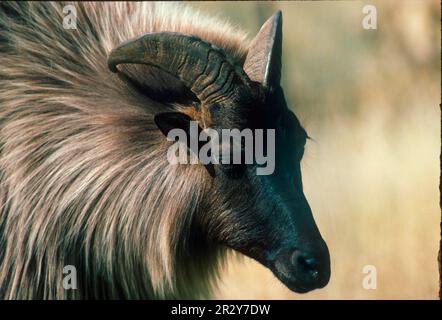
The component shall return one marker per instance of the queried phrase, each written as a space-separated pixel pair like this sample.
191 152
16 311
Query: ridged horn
205 69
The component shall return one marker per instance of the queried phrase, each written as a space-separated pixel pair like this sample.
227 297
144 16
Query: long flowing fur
84 178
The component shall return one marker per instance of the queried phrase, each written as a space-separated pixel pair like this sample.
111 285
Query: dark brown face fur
268 217
265 217
84 178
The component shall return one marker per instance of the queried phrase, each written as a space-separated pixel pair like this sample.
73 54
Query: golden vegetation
370 100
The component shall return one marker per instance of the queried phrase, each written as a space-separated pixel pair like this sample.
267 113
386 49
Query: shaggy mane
84 178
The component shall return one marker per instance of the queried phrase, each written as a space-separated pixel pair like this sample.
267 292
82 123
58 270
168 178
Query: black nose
306 265
303 270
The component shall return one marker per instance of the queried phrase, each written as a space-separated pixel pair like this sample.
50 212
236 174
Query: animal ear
168 121
263 61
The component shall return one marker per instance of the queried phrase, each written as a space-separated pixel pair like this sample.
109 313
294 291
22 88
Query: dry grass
374 195
370 100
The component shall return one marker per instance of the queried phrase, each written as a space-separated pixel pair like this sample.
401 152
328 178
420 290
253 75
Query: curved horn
263 61
205 69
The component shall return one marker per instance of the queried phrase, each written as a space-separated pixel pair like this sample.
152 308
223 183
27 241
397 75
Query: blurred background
370 100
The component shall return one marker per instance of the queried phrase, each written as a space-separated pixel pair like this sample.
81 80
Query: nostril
306 263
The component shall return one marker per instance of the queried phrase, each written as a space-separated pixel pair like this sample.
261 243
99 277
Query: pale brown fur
84 179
